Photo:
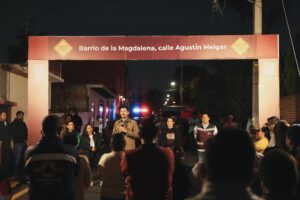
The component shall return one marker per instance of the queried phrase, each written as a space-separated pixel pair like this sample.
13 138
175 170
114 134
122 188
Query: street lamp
173 84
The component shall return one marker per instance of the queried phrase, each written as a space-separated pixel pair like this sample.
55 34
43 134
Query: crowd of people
147 161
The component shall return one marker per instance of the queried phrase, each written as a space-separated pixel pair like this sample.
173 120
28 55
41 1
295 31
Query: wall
112 74
3 85
290 108
93 98
67 96
18 88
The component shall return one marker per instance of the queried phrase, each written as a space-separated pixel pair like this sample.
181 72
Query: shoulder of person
211 126
30 151
199 126
168 154
165 150
69 149
176 130
131 152
103 158
84 135
117 121
130 120
84 158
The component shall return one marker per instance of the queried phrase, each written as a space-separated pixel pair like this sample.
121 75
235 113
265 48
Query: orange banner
153 47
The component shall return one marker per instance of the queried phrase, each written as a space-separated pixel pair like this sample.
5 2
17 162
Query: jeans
19 150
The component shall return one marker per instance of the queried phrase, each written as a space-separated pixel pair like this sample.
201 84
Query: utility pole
257 30
181 84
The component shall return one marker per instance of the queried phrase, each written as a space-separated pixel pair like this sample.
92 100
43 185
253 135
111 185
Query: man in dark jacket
20 135
6 154
51 165
70 130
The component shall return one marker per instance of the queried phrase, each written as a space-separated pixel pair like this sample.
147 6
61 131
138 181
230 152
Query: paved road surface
93 193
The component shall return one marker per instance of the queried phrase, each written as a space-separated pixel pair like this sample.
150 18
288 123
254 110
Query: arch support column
268 89
38 86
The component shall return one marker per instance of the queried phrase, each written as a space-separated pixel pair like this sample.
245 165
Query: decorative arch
41 49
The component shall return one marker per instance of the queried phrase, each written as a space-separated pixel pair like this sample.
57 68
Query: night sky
132 17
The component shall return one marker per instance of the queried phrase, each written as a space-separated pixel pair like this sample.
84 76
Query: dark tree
290 79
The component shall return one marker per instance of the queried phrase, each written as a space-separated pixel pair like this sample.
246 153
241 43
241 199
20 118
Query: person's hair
70 122
71 139
173 119
117 142
265 130
293 133
123 106
204 113
51 125
253 131
280 133
230 156
278 171
148 130
88 124
19 112
272 120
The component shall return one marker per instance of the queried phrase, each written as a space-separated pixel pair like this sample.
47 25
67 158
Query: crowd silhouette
158 158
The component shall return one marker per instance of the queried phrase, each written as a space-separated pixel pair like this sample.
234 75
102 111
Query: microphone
122 123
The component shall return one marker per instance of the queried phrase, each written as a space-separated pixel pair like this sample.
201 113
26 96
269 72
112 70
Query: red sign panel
153 47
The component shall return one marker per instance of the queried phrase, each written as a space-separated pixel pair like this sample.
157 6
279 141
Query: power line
216 7
290 35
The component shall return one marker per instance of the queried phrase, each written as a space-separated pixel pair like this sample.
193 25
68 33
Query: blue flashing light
136 110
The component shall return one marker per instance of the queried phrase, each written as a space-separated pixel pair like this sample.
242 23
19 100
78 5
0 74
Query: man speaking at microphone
128 127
